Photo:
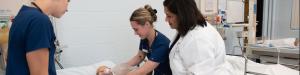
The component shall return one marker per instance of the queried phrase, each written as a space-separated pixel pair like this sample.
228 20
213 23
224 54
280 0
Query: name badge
144 50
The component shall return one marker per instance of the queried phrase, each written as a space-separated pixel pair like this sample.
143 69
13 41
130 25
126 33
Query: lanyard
56 42
148 48
37 7
155 34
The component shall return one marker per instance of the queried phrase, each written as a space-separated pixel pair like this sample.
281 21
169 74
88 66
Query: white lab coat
200 52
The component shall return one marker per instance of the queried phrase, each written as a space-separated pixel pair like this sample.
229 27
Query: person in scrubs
153 44
31 39
198 49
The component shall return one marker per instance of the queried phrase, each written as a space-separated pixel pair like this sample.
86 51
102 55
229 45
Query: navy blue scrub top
158 52
30 30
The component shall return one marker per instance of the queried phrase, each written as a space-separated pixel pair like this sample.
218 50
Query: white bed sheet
237 65
84 70
234 64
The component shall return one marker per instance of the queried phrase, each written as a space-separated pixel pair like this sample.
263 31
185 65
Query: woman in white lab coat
198 48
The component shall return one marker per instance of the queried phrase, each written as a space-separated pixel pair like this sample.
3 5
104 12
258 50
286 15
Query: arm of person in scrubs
148 67
38 61
137 59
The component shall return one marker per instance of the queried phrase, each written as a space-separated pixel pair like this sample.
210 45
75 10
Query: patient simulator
120 69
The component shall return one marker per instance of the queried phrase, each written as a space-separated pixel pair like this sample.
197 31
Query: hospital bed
233 63
285 56
84 70
276 52
253 68
280 51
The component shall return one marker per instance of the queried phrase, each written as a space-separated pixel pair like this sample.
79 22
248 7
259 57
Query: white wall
12 5
98 30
